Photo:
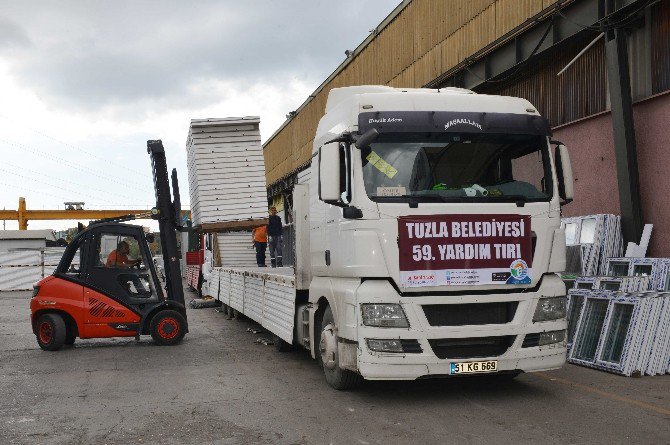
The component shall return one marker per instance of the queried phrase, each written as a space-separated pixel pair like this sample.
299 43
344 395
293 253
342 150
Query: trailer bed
265 295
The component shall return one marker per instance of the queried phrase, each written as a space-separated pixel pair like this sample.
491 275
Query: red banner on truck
458 250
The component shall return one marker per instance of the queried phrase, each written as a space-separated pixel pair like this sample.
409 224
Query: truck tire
50 332
168 328
338 378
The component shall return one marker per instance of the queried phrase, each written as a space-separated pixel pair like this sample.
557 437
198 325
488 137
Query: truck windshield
457 167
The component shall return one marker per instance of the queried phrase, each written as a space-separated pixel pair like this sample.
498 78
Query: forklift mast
168 215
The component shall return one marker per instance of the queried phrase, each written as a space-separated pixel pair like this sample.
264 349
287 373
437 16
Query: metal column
624 134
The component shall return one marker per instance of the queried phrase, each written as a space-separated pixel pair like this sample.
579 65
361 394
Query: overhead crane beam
23 215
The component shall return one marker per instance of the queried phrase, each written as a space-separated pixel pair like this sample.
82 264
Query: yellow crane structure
23 215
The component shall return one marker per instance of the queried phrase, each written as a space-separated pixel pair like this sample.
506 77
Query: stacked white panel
599 237
21 269
226 170
236 249
657 269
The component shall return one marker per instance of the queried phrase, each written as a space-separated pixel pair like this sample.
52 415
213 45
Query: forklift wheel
50 332
168 328
70 337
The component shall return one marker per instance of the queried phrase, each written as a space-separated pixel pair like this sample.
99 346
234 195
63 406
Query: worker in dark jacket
274 238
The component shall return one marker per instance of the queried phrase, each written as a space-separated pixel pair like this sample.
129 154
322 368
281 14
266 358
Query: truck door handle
327 257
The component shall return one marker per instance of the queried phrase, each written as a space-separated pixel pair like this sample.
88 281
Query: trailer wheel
168 328
338 378
281 345
50 332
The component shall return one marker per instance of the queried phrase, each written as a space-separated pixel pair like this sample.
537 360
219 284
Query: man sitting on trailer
260 238
119 257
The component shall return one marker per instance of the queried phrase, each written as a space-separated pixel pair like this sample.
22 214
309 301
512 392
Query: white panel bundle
657 269
21 269
599 237
585 282
236 249
576 298
624 333
226 170
19 277
622 284
20 258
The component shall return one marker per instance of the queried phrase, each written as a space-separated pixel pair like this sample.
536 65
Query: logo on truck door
458 250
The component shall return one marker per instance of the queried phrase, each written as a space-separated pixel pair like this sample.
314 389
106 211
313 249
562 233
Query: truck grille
474 347
470 313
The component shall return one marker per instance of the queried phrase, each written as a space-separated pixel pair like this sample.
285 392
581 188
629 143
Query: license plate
473 367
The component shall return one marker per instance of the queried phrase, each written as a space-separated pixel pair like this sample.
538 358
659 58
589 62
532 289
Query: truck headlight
36 290
551 308
384 315
551 337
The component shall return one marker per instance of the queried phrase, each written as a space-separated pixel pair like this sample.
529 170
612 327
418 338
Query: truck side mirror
566 186
329 173
367 138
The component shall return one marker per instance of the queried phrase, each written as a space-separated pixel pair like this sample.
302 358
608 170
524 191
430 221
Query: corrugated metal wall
579 92
427 38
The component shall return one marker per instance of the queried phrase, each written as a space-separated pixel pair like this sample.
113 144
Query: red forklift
97 291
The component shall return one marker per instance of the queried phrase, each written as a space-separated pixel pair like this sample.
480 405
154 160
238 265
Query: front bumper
408 366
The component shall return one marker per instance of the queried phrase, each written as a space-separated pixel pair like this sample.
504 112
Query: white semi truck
427 240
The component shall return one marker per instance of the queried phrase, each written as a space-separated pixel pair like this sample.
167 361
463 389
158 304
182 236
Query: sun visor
453 122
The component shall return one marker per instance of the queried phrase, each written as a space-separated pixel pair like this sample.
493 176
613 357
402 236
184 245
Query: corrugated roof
27 234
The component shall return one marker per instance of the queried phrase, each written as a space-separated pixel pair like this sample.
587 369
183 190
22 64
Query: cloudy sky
84 85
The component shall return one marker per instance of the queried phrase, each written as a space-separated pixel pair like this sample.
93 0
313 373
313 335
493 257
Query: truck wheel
338 378
281 345
168 328
51 332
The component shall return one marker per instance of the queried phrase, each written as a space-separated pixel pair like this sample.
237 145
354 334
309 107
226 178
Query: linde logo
384 120
453 122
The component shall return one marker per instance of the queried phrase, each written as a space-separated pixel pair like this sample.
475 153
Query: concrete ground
219 386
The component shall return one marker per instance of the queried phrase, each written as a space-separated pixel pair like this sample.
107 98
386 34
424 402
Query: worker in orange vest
260 239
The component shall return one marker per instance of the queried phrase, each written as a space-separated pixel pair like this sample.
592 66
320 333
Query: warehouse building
599 70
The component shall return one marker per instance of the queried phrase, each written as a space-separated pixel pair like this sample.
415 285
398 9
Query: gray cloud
98 54
12 35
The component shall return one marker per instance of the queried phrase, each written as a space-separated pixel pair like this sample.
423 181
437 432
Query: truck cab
434 235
